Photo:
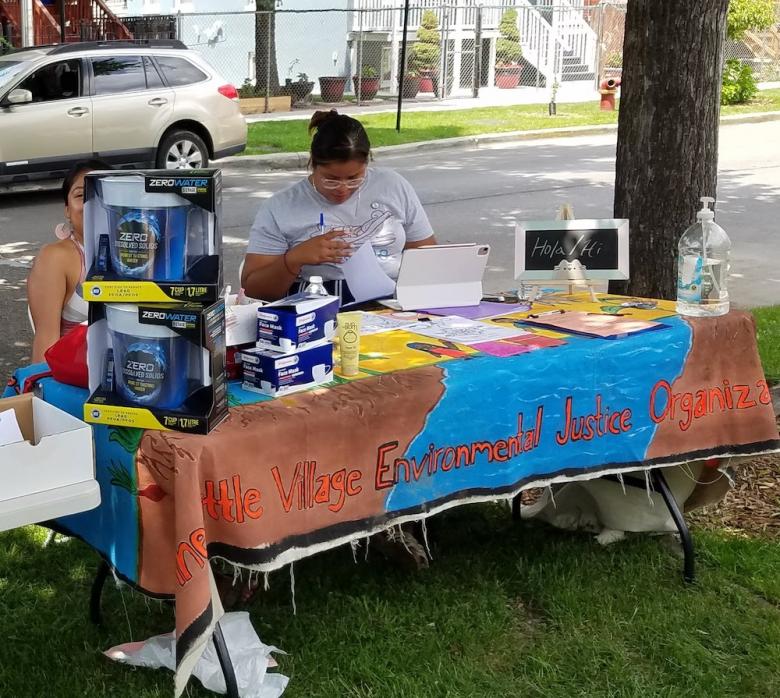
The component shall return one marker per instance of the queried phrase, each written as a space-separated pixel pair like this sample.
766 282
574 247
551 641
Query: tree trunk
266 70
667 147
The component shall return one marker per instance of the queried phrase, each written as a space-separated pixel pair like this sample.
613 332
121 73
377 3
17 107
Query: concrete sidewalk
296 161
583 91
489 97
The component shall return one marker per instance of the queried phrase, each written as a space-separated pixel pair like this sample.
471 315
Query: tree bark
265 34
667 147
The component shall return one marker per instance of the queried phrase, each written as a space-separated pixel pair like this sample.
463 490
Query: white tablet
441 276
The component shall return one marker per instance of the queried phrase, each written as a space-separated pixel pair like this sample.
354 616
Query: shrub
739 85
508 50
614 60
427 49
744 15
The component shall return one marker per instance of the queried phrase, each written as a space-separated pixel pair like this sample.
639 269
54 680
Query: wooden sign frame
573 272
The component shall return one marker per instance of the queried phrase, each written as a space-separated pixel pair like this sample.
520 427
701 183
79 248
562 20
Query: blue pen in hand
322 223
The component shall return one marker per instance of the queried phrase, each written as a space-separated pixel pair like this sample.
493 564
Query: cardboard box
153 236
52 472
275 374
165 369
296 322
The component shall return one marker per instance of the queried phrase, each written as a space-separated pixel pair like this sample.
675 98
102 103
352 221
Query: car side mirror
19 96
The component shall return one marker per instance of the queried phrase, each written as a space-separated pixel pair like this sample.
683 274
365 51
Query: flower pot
508 77
332 88
429 81
410 87
368 87
298 90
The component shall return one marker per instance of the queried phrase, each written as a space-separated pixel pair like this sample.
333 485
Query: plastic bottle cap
315 279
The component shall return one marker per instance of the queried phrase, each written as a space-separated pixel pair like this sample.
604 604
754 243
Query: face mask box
153 236
296 322
157 366
277 374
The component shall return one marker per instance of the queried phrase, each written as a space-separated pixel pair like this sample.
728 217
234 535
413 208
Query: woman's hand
328 247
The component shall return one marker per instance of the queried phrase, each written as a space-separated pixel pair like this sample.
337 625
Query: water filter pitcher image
148 233
152 365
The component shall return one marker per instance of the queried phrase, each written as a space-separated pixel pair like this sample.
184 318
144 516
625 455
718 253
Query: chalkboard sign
547 250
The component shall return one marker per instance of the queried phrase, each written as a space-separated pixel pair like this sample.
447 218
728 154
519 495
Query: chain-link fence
355 54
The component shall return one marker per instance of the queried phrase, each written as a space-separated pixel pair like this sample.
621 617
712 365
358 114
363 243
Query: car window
153 79
8 70
60 80
118 74
179 71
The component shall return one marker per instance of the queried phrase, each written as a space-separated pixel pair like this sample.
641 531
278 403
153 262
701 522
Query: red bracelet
287 266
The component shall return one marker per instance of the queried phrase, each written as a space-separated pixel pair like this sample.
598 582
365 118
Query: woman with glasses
312 227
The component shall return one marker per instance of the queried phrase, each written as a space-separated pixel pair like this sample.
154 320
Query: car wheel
182 150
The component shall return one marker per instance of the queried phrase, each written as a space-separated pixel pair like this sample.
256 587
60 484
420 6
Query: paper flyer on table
456 329
10 433
365 277
372 323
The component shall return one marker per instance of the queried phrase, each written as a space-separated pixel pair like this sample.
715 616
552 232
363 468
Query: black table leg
679 521
95 614
516 508
224 661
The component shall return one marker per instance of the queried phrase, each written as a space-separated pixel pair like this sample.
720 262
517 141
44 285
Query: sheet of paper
372 323
10 433
457 329
484 310
365 277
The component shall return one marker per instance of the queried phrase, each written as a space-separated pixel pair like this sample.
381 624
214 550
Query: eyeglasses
338 183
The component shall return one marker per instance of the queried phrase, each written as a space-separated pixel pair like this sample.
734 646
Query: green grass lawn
505 610
291 136
768 333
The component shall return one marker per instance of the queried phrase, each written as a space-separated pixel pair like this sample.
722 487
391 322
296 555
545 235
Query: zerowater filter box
153 235
157 365
297 321
275 374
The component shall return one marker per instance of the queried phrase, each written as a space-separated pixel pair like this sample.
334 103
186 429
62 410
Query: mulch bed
752 506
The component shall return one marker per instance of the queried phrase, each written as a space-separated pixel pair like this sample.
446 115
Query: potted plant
332 88
508 51
367 83
411 84
299 89
426 52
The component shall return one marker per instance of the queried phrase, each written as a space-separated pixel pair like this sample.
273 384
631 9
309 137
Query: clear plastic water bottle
703 266
315 287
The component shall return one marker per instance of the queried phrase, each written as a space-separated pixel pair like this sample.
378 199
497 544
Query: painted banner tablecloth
427 424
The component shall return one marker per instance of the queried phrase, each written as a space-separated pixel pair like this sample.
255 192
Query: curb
299 161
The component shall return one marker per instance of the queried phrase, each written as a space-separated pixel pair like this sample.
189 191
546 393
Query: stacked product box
156 337
294 349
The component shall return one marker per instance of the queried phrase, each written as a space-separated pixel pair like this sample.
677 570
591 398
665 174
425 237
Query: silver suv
133 104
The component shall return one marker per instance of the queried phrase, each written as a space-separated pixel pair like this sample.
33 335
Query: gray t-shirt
384 211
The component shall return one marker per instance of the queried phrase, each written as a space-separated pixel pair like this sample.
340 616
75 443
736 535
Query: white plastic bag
250 658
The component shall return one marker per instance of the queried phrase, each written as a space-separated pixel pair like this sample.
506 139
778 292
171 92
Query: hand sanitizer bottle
703 266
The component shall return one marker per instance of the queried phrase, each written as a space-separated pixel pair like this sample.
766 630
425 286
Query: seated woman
313 226
54 283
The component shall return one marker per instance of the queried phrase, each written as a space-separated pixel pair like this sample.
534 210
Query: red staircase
85 20
11 21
